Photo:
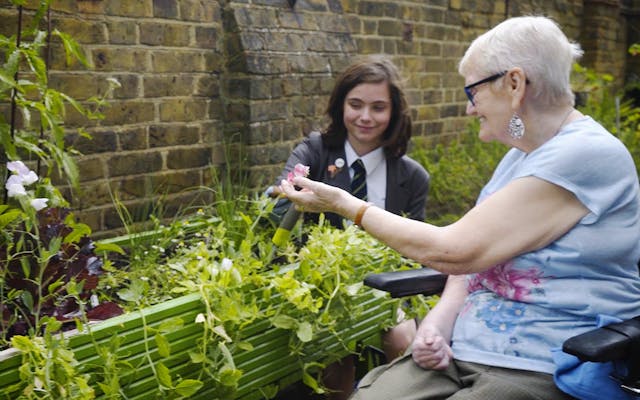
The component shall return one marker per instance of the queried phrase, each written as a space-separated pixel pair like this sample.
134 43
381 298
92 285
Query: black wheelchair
615 342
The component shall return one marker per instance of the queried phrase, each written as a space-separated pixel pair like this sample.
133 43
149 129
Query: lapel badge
335 168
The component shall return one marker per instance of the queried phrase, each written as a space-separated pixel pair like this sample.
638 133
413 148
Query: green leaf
105 388
246 346
171 325
164 348
164 375
27 299
38 66
72 48
70 168
305 332
78 232
229 376
7 79
21 343
197 358
135 291
102 248
74 103
8 217
284 322
188 387
55 285
312 382
7 141
52 325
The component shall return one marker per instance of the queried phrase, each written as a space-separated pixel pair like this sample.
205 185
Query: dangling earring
516 127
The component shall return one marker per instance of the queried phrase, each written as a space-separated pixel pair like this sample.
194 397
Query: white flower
14 180
15 189
18 167
226 264
21 174
28 178
39 203
200 318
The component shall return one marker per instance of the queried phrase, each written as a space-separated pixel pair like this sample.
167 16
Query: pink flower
507 281
298 170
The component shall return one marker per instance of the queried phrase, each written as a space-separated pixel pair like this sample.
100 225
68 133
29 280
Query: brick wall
210 87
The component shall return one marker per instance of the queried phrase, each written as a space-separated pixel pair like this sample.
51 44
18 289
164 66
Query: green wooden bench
269 362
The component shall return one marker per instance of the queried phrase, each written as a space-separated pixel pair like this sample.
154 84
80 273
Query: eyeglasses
468 89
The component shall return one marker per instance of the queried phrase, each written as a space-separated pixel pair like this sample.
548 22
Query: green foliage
36 130
49 369
44 266
612 110
41 253
458 169
242 278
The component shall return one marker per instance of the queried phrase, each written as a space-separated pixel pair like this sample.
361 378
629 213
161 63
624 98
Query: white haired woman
550 249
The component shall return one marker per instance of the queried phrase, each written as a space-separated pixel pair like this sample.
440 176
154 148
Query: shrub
458 171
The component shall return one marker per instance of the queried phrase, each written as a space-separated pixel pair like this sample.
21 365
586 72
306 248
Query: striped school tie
359 181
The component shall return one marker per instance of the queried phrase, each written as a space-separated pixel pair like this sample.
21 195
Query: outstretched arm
525 215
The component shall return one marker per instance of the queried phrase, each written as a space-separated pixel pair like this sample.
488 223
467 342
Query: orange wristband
363 208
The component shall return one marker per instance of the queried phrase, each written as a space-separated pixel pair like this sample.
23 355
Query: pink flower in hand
298 170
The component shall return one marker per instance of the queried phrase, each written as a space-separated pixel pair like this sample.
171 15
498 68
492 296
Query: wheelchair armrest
608 343
408 283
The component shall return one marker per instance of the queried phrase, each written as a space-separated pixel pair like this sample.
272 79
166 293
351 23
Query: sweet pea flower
21 174
17 167
15 189
39 203
298 170
29 178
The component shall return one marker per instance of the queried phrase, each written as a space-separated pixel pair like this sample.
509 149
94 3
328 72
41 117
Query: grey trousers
403 379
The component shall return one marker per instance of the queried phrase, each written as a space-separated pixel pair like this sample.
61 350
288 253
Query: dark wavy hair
373 69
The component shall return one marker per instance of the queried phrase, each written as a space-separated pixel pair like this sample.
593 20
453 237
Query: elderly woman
550 248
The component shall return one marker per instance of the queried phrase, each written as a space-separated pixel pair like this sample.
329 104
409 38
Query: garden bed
269 362
264 357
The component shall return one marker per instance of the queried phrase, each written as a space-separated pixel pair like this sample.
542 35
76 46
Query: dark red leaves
29 290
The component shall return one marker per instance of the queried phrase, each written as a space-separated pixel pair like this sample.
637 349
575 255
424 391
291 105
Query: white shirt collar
371 160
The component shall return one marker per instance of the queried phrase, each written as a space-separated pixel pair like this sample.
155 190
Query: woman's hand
319 197
430 350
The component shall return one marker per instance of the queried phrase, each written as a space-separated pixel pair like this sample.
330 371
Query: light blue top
516 312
